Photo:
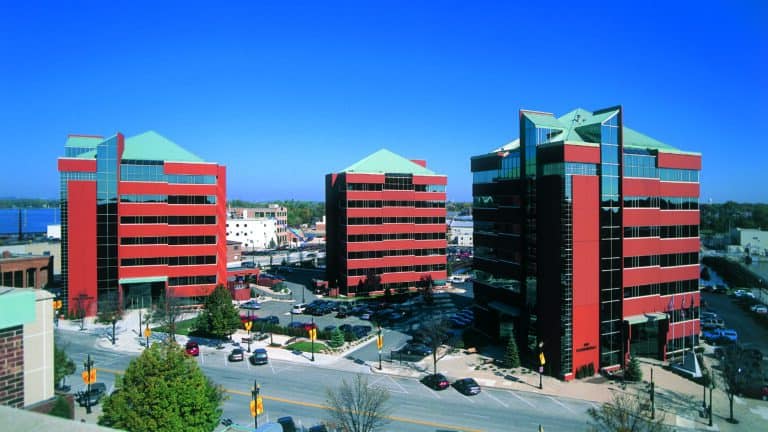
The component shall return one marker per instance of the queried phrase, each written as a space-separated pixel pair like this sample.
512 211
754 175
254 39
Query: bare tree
167 313
110 312
739 368
356 407
433 334
624 413
427 288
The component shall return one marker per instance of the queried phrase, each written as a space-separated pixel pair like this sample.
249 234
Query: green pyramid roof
385 161
82 141
153 146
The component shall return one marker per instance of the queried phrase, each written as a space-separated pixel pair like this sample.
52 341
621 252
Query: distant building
39 248
53 232
25 270
26 341
141 218
386 225
254 233
460 231
272 211
754 240
587 241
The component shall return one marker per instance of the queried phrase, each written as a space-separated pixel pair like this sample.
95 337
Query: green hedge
735 274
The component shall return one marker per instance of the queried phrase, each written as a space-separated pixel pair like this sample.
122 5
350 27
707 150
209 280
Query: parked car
329 328
272 319
259 357
416 349
759 308
237 354
720 289
318 428
342 313
345 328
716 334
436 381
467 386
192 348
365 316
98 391
755 389
287 423
298 308
712 323
251 304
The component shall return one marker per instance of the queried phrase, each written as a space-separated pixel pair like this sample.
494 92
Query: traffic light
248 325
542 360
92 378
379 341
313 334
253 408
259 405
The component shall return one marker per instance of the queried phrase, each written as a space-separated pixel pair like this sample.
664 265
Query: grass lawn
306 346
182 327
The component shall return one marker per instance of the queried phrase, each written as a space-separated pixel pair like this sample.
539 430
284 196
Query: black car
467 386
98 391
237 354
287 423
345 328
342 313
318 428
416 349
272 319
436 381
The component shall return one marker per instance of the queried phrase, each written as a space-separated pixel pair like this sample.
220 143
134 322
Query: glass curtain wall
610 244
106 221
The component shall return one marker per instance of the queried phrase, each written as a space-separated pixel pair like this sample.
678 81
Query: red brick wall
12 367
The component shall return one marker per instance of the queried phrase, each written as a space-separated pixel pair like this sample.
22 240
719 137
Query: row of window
355 238
395 220
663 203
396 252
379 204
171 261
679 175
191 280
665 231
664 289
170 199
153 171
170 220
400 269
378 187
172 240
666 260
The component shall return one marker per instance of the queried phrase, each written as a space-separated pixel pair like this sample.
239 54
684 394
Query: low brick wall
12 366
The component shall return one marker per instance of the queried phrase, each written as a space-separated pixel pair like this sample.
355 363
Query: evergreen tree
163 390
62 365
219 317
633 371
337 338
511 355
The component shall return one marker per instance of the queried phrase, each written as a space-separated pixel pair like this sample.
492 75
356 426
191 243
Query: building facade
272 211
253 233
586 241
385 225
25 270
141 218
460 231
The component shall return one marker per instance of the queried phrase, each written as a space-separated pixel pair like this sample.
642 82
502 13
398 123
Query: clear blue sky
283 94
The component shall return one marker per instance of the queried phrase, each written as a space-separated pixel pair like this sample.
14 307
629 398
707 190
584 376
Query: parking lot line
521 398
466 397
496 399
562 404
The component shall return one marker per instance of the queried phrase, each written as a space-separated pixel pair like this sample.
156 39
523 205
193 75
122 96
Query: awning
504 308
124 281
646 317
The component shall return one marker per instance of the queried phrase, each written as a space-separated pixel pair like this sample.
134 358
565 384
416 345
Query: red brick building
141 218
25 271
385 225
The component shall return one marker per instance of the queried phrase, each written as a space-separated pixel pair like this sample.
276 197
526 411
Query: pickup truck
718 333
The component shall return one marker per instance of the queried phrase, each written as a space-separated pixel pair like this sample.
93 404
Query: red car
192 348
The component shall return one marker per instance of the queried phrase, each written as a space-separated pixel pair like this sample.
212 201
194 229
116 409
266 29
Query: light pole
255 402
312 335
380 344
542 361
89 375
248 324
147 334
653 397
711 387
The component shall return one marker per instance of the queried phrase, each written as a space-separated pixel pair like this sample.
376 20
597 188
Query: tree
633 372
624 413
427 287
511 355
62 365
737 372
219 316
272 245
110 312
163 390
356 407
434 333
337 338
167 313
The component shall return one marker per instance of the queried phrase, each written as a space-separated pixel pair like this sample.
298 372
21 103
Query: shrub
633 372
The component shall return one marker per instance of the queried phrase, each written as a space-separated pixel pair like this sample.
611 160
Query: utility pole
653 404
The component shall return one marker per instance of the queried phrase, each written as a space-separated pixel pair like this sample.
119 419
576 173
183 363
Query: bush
61 408
511 356
337 339
633 372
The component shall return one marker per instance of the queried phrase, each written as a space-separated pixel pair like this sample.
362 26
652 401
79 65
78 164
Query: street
299 391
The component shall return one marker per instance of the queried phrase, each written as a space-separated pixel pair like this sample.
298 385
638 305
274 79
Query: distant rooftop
149 145
385 161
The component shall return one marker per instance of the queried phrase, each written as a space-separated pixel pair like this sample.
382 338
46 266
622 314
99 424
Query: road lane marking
562 404
496 399
466 397
524 400
324 407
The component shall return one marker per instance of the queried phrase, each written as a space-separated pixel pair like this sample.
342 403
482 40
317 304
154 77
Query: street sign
248 325
380 342
542 360
253 408
147 332
541 369
259 405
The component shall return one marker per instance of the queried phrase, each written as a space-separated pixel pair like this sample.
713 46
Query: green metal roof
82 141
17 306
153 146
543 120
143 279
633 138
385 161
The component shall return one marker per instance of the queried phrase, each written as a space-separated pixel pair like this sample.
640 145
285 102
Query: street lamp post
147 333
711 387
248 327
542 360
380 344
313 332
87 366
653 397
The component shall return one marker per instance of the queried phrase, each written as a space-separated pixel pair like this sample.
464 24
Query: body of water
33 220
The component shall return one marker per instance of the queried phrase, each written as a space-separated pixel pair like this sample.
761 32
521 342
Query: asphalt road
299 391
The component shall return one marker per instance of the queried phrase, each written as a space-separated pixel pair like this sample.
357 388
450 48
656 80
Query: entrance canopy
646 317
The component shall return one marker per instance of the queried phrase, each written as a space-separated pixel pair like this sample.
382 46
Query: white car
298 308
760 308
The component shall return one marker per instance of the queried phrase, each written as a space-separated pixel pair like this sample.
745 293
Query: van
712 323
259 357
298 308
